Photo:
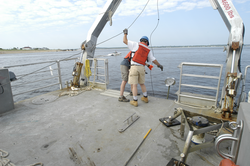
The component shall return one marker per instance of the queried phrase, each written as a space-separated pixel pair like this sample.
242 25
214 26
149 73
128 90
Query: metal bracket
174 162
128 122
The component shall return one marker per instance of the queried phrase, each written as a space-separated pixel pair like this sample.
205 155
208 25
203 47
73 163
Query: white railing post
59 74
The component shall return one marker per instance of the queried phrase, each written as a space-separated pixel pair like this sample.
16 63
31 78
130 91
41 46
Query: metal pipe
107 71
244 80
182 128
186 146
198 86
179 91
201 98
59 74
236 144
232 65
28 64
138 147
168 91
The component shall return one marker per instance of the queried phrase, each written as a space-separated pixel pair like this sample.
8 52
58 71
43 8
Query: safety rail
243 93
100 73
58 69
97 77
236 138
188 97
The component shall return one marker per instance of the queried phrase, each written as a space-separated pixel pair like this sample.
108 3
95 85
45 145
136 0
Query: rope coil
6 162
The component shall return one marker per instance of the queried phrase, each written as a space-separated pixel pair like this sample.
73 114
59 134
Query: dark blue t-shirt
125 62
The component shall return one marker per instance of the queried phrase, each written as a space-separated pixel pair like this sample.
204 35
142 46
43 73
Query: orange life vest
141 55
128 56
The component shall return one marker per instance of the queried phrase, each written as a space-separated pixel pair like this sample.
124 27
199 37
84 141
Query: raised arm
125 39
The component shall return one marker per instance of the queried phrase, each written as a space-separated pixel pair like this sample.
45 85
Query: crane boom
89 45
234 47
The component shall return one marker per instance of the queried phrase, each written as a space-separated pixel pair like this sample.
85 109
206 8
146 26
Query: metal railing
103 78
199 86
243 93
100 73
39 71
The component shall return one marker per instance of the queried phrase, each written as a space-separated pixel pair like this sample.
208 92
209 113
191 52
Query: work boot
123 99
145 99
134 103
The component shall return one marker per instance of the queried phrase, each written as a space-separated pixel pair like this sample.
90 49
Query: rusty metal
214 124
182 128
228 105
77 75
83 46
235 45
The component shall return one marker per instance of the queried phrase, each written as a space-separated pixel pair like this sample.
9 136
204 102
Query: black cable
48 65
97 44
152 44
228 130
128 27
45 67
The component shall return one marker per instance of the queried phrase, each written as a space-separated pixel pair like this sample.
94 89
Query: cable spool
199 122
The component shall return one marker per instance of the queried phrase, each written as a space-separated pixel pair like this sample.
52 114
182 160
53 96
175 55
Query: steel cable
152 44
129 25
96 45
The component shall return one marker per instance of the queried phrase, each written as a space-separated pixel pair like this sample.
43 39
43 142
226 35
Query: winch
198 123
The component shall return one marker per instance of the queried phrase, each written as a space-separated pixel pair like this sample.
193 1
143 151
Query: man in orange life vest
125 65
140 54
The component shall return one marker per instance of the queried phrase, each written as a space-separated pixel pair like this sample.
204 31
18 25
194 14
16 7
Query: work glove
150 67
161 67
125 31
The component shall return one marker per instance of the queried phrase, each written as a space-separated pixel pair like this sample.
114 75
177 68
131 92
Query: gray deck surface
82 130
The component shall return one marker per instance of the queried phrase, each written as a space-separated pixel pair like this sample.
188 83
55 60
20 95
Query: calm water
170 58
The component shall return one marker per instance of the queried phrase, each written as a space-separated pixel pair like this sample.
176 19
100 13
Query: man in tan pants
140 54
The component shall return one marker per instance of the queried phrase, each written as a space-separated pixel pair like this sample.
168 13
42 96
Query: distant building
27 48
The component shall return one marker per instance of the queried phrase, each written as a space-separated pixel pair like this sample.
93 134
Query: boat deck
82 130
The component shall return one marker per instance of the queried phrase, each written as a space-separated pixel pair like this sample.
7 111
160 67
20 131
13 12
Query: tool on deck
128 122
138 147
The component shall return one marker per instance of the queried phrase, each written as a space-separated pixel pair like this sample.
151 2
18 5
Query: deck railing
243 94
191 96
100 73
38 73
45 75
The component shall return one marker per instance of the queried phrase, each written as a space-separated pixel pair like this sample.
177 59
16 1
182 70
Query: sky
64 24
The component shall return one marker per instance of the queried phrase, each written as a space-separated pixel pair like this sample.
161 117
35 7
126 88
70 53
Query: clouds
134 7
34 14
46 13
54 19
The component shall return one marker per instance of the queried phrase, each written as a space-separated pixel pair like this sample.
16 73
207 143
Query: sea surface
170 58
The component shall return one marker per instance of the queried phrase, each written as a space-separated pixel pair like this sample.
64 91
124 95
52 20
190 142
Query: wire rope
152 44
44 67
47 66
128 26
96 44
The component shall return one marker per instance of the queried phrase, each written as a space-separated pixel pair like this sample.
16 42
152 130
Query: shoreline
26 51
